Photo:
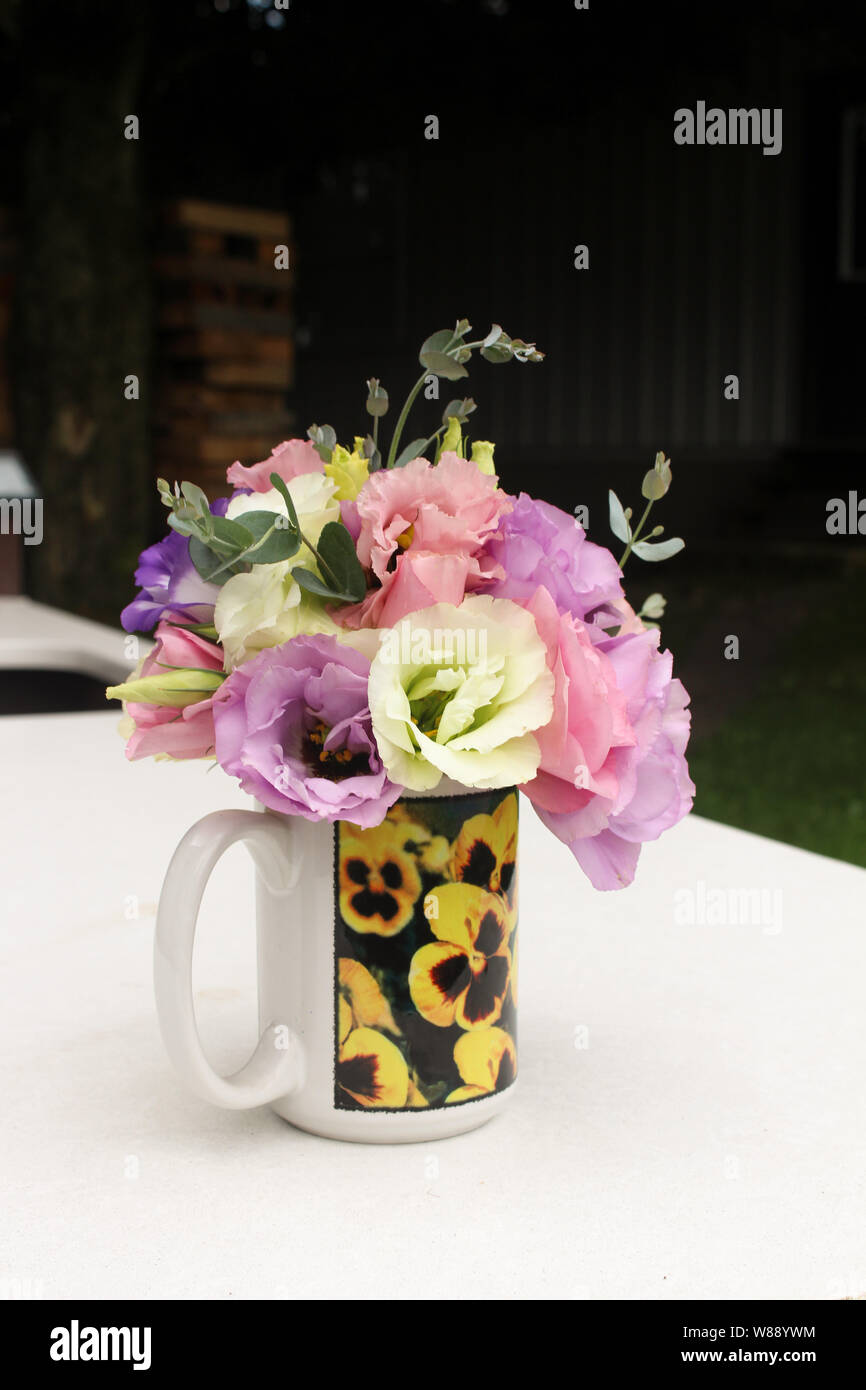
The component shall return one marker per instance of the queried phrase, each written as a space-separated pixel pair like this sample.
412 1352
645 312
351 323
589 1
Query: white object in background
15 479
34 636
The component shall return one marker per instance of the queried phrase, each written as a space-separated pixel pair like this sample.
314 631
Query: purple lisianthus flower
293 725
654 790
169 580
539 544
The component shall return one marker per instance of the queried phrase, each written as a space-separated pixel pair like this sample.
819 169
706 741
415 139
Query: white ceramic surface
292 1068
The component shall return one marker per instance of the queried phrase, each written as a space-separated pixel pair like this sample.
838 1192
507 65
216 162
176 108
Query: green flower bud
452 439
482 454
175 688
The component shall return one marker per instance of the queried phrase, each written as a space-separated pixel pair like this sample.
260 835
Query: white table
709 1140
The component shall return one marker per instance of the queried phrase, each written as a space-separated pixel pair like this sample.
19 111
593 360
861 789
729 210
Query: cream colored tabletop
688 1122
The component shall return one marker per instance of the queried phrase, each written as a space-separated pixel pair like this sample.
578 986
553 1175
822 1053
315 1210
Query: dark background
555 128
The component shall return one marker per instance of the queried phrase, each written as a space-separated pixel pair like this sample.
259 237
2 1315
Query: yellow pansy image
361 996
462 977
485 850
433 852
371 1069
379 880
424 953
486 1061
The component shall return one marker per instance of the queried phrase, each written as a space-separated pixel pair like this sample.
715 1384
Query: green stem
636 533
376 431
403 416
410 401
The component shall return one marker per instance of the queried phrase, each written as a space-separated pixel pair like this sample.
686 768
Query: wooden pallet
224 339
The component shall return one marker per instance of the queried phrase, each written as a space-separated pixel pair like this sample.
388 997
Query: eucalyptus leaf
497 353
437 342
183 525
209 564
440 364
412 451
324 438
281 544
229 535
195 496
618 523
460 410
659 550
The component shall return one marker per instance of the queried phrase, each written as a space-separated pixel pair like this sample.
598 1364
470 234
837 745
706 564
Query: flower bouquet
382 647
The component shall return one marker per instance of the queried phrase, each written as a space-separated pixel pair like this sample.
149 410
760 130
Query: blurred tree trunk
82 315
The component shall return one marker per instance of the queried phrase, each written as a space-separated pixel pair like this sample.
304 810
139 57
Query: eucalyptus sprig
655 485
444 354
220 547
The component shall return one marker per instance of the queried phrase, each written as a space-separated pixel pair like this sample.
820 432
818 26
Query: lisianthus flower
170 581
293 725
266 606
349 471
539 544
462 977
422 533
654 788
459 692
486 1061
290 459
177 730
379 880
579 747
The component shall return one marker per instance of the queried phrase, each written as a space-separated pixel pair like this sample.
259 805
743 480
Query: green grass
790 762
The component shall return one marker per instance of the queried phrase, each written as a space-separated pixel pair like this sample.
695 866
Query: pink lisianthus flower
577 775
422 533
654 787
181 733
289 460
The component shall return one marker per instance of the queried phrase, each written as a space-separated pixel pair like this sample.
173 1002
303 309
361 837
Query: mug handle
276 1067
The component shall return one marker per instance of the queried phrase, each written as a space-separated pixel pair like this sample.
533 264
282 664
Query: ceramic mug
386 966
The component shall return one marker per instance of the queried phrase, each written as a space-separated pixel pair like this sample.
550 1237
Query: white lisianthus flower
266 606
458 692
315 503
